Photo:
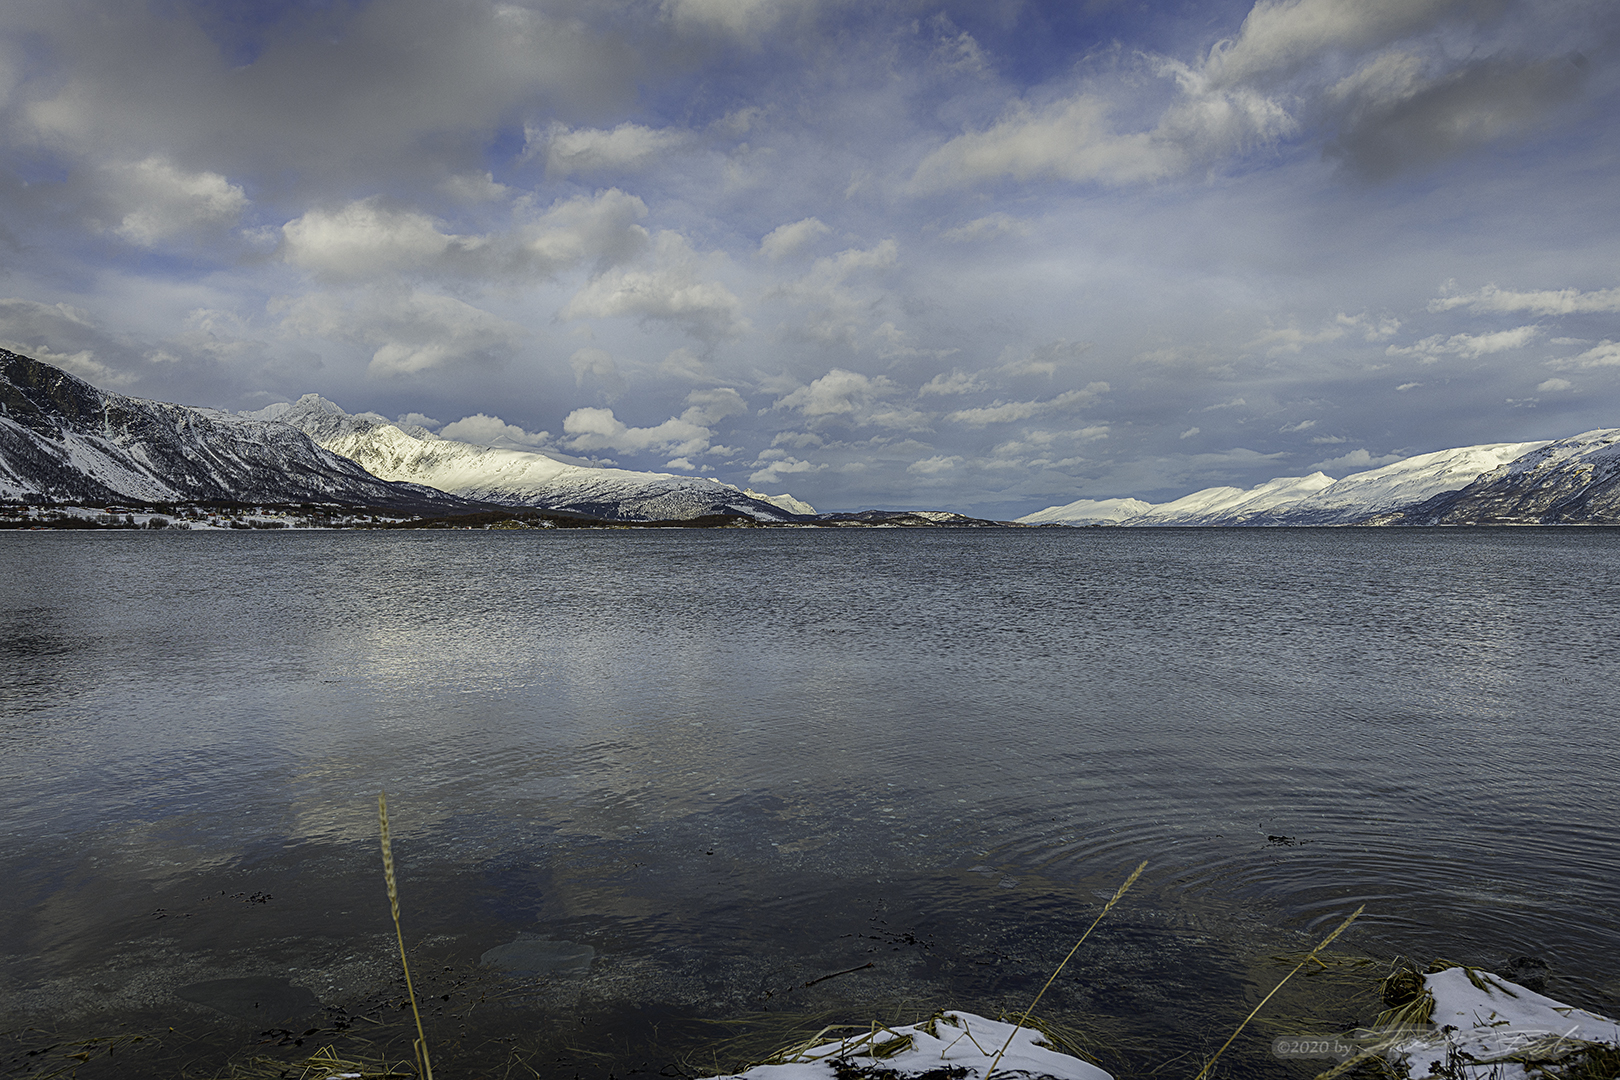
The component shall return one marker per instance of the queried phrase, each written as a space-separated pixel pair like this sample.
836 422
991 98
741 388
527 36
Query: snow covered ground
951 1041
1486 1028
1483 1027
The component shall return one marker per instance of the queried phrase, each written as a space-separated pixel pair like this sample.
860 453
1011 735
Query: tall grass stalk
424 1065
1210 1064
1106 909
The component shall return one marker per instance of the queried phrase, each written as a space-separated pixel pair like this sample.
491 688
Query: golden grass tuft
424 1065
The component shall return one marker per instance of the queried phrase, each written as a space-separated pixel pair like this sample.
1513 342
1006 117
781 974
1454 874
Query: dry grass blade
399 934
1210 1064
1106 909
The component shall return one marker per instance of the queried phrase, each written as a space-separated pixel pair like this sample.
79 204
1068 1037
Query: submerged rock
257 998
531 954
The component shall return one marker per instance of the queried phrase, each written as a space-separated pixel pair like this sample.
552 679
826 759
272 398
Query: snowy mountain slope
1234 506
1318 499
1571 481
63 439
1088 512
1401 484
516 477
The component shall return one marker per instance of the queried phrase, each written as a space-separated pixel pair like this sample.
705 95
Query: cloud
957 382
1541 302
1189 433
738 18
989 227
1553 386
1354 461
366 240
669 291
837 393
363 239
935 465
1604 354
1279 37
785 240
412 330
1467 346
597 366
63 336
626 148
1006 412
1480 103
777 464
165 201
1072 141
1046 359
688 435
837 310
598 429
483 430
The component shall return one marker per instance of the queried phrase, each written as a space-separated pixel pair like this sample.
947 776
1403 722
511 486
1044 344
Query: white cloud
739 18
1405 386
688 435
626 148
599 429
1189 433
777 464
935 465
484 430
1278 37
416 419
165 201
1071 140
785 240
1541 302
671 291
1467 346
957 382
1553 386
599 229
988 227
1354 461
1603 354
363 239
412 331
1005 412
837 393
1292 429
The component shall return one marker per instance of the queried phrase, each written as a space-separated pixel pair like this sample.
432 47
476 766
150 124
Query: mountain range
410 454
62 439
1574 481
65 440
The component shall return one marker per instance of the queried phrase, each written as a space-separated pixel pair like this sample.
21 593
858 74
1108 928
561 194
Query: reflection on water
729 764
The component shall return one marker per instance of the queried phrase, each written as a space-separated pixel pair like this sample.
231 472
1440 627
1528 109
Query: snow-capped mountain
517 477
63 439
1574 481
1397 485
1235 506
1089 512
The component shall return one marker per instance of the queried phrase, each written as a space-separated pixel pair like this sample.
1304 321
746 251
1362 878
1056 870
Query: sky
979 255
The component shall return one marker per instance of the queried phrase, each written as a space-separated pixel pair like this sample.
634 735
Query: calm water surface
735 763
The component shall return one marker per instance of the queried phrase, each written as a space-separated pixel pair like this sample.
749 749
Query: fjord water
734 763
